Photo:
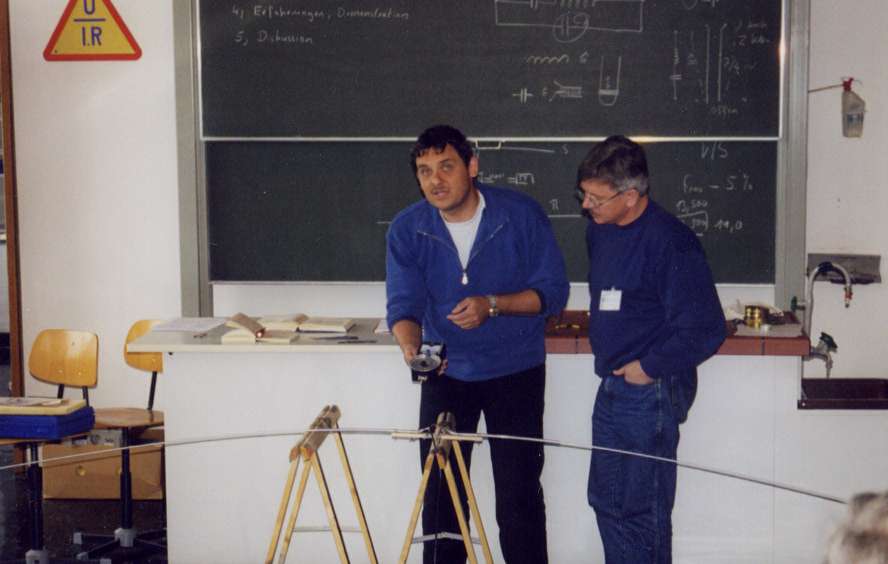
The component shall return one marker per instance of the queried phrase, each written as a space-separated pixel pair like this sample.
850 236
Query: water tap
824 349
823 268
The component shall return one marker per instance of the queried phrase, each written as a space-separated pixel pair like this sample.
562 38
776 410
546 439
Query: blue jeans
633 497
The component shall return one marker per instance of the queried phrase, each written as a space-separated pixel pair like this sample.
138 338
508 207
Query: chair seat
5 442
129 417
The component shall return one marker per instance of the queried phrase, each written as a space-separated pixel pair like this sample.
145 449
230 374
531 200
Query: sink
844 393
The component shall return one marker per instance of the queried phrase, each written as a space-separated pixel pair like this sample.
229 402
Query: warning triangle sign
91 30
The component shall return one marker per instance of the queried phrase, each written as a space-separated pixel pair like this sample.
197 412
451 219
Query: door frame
9 188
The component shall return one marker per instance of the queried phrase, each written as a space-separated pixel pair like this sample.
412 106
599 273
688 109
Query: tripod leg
282 511
414 517
328 505
444 464
288 535
473 504
356 500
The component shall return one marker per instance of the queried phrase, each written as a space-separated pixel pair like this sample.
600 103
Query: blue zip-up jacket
514 250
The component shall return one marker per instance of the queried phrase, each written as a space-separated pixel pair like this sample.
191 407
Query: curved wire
426 433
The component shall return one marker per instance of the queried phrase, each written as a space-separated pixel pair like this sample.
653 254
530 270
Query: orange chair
129 420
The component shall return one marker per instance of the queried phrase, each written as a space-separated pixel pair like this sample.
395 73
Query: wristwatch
492 311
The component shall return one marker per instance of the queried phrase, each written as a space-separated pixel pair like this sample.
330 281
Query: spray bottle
853 108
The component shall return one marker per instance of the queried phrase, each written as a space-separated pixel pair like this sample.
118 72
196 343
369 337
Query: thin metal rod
414 434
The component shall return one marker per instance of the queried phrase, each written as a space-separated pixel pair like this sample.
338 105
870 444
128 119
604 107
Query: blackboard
498 69
288 211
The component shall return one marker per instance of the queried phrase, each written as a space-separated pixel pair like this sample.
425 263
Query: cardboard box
97 476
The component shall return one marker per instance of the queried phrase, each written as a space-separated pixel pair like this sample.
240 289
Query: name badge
610 300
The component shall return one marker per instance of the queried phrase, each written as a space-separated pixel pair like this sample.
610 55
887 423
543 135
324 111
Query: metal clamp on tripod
445 440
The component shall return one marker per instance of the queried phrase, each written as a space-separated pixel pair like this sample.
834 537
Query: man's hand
634 374
409 351
470 313
408 335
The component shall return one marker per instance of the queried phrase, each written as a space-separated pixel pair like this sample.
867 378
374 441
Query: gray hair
617 161
862 538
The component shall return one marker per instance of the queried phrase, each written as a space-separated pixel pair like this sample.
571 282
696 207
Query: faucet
823 351
826 345
824 267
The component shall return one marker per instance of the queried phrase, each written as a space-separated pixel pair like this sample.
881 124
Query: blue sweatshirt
669 314
514 250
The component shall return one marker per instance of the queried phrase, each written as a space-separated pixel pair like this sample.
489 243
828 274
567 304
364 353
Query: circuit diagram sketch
569 20
609 80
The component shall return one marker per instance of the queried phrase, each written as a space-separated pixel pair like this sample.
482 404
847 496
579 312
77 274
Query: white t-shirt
463 233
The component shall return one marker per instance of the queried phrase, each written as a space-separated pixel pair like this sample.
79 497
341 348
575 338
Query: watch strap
492 309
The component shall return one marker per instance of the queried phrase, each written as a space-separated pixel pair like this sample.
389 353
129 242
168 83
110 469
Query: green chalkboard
288 211
497 68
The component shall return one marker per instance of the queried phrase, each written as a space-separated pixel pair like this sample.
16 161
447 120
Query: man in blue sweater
478 269
654 317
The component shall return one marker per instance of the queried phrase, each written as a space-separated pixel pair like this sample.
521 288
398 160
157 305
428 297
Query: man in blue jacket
654 317
478 269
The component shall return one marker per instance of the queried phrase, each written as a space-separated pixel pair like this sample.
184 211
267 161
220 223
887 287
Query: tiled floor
61 517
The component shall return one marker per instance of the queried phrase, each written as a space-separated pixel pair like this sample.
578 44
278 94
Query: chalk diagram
608 86
609 80
720 72
569 20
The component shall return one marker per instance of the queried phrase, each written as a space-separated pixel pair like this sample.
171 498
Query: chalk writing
275 36
373 14
541 68
739 182
274 11
700 224
713 150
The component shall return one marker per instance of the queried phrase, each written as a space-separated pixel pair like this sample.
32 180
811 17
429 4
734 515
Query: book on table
287 322
245 329
326 325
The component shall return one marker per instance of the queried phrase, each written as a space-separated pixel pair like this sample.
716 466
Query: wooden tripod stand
307 449
443 441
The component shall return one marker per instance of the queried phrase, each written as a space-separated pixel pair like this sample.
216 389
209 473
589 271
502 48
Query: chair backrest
149 362
66 358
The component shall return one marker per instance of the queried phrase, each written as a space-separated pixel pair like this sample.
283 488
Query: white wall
97 187
847 196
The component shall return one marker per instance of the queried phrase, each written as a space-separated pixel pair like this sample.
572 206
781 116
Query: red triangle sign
91 30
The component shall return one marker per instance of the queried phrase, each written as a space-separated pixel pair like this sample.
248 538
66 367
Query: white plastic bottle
853 109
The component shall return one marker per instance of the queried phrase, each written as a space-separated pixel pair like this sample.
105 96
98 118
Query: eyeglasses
582 196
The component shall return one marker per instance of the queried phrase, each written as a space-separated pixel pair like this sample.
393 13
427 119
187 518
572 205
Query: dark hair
438 137
618 161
